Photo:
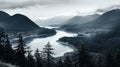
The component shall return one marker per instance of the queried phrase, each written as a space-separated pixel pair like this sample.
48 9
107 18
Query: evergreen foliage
22 56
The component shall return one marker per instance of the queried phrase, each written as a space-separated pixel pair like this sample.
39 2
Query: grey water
59 49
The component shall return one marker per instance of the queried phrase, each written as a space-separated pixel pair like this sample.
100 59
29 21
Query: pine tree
109 60
2 45
67 62
48 51
30 60
118 58
82 58
20 52
8 51
38 59
100 62
60 63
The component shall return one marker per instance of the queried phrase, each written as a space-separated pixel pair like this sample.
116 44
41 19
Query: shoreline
66 44
28 39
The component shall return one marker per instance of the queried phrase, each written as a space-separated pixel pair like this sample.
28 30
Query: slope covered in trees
107 21
73 24
21 23
21 56
103 33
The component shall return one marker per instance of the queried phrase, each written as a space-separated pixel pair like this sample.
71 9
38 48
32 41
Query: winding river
59 49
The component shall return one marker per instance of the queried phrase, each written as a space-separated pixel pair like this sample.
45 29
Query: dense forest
21 56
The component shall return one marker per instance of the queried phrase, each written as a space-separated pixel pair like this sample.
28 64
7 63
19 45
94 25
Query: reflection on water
59 48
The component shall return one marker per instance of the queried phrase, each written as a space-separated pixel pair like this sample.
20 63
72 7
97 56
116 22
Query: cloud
102 10
51 8
12 4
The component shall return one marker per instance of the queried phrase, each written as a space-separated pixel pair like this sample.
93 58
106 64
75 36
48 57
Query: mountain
108 20
74 23
18 22
55 21
81 19
3 15
101 40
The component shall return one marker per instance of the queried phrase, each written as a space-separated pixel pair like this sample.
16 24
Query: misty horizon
44 9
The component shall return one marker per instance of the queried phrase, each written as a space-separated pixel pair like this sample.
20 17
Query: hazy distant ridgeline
104 30
54 21
74 23
108 20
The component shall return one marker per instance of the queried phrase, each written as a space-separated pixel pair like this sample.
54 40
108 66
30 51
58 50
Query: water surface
59 49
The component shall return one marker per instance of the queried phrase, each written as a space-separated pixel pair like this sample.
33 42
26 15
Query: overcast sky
50 8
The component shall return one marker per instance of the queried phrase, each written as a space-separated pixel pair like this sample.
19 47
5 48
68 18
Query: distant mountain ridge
101 40
55 21
108 20
82 19
74 23
17 22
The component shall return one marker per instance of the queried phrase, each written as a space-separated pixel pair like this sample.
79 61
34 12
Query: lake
59 49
